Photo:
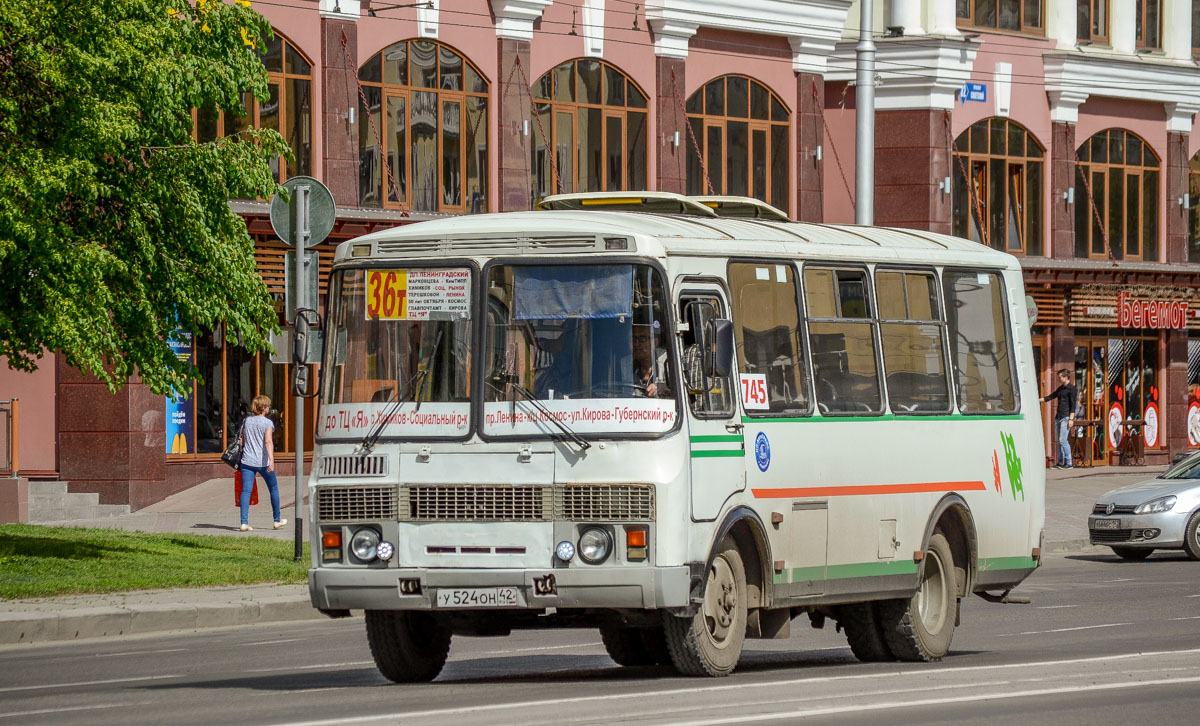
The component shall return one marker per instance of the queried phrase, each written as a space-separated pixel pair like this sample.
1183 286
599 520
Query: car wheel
1191 537
1133 554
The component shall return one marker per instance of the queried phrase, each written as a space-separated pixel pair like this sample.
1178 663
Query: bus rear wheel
921 627
863 632
408 647
710 642
636 646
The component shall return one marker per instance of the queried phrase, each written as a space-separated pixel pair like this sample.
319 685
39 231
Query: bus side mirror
307 341
718 353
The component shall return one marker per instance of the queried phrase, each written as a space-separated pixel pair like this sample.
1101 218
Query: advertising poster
180 428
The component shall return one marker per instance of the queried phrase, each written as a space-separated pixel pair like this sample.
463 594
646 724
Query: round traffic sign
321 211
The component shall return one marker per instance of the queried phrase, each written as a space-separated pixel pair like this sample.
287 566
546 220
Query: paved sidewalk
208 509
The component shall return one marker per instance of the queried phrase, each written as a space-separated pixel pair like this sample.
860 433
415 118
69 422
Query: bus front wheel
921 627
636 646
710 642
408 647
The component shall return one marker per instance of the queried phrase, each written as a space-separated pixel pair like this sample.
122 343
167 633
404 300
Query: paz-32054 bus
681 429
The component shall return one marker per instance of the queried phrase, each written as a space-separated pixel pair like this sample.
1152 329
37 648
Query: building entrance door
1091 376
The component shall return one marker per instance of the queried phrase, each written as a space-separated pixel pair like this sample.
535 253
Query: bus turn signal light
635 545
331 545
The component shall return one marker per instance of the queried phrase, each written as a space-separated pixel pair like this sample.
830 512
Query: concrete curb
18 628
1083 544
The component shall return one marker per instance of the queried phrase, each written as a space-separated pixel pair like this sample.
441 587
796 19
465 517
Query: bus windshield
585 344
399 348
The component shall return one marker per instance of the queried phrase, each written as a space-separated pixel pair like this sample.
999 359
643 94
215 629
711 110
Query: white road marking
14 714
10 689
1063 630
555 702
271 642
1192 617
1119 579
1055 607
545 647
138 652
779 715
310 667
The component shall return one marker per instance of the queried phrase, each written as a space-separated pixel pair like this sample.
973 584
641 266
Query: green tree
115 227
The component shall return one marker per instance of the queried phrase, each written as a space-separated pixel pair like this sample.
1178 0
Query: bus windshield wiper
568 434
413 386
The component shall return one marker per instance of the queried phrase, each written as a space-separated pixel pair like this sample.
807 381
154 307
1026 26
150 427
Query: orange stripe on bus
854 491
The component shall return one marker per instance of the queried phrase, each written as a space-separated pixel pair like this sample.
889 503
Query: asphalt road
1103 641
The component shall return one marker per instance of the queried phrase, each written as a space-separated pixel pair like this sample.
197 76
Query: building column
1175 181
912 157
810 136
1062 180
671 171
113 444
339 94
1176 392
513 118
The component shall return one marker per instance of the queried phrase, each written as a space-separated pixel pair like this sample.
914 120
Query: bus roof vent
469 245
744 207
653 202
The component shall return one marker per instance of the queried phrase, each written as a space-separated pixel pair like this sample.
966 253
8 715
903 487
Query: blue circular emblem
762 451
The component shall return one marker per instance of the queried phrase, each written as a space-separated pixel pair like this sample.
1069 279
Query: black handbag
233 452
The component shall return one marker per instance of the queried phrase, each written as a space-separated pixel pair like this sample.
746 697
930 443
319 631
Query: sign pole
300 209
864 146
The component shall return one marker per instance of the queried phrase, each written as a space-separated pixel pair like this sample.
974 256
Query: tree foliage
115 227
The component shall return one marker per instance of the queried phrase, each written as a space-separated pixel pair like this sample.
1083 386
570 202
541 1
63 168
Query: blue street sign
973 92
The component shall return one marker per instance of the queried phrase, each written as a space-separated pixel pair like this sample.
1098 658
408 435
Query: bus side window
910 326
980 341
841 331
707 397
770 355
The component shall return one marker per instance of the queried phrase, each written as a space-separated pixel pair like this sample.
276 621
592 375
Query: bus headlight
595 544
365 544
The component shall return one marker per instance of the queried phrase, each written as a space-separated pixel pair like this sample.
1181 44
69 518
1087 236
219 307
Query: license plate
477 597
1106 524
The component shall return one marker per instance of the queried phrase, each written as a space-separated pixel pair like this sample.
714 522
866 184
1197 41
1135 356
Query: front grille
504 503
497 503
349 466
613 502
1111 535
1117 509
356 504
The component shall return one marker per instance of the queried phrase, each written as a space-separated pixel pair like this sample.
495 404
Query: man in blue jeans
1064 415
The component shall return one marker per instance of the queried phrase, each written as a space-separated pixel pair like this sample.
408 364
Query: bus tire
921 627
864 633
408 647
626 646
710 642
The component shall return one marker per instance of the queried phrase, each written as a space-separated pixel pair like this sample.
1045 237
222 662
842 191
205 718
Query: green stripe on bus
887 417
1006 563
807 574
872 569
709 454
714 439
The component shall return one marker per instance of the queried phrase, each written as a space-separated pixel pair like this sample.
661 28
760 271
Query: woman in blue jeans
258 457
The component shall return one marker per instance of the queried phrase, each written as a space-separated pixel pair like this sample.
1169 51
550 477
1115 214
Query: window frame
1085 34
800 336
719 176
968 20
872 319
1193 207
1011 344
944 337
556 107
1031 241
1099 202
406 92
1141 9
689 292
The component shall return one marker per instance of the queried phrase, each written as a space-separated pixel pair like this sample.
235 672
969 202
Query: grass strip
43 561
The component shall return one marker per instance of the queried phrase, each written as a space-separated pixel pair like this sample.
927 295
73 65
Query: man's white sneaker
246 528
280 523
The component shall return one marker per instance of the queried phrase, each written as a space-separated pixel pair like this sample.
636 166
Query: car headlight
1162 504
595 544
365 544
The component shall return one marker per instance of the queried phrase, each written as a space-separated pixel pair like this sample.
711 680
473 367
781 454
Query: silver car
1161 513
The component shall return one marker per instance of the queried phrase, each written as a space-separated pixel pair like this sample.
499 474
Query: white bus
684 430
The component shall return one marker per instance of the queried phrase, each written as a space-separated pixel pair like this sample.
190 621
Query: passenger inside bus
650 362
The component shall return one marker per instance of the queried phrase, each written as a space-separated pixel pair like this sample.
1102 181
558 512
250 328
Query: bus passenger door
716 445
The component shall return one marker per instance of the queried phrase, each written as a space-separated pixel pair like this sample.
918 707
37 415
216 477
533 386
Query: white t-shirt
254 446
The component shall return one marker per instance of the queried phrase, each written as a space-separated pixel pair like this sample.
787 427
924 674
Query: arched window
427 115
1002 207
1193 205
288 108
1116 197
742 130
596 119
